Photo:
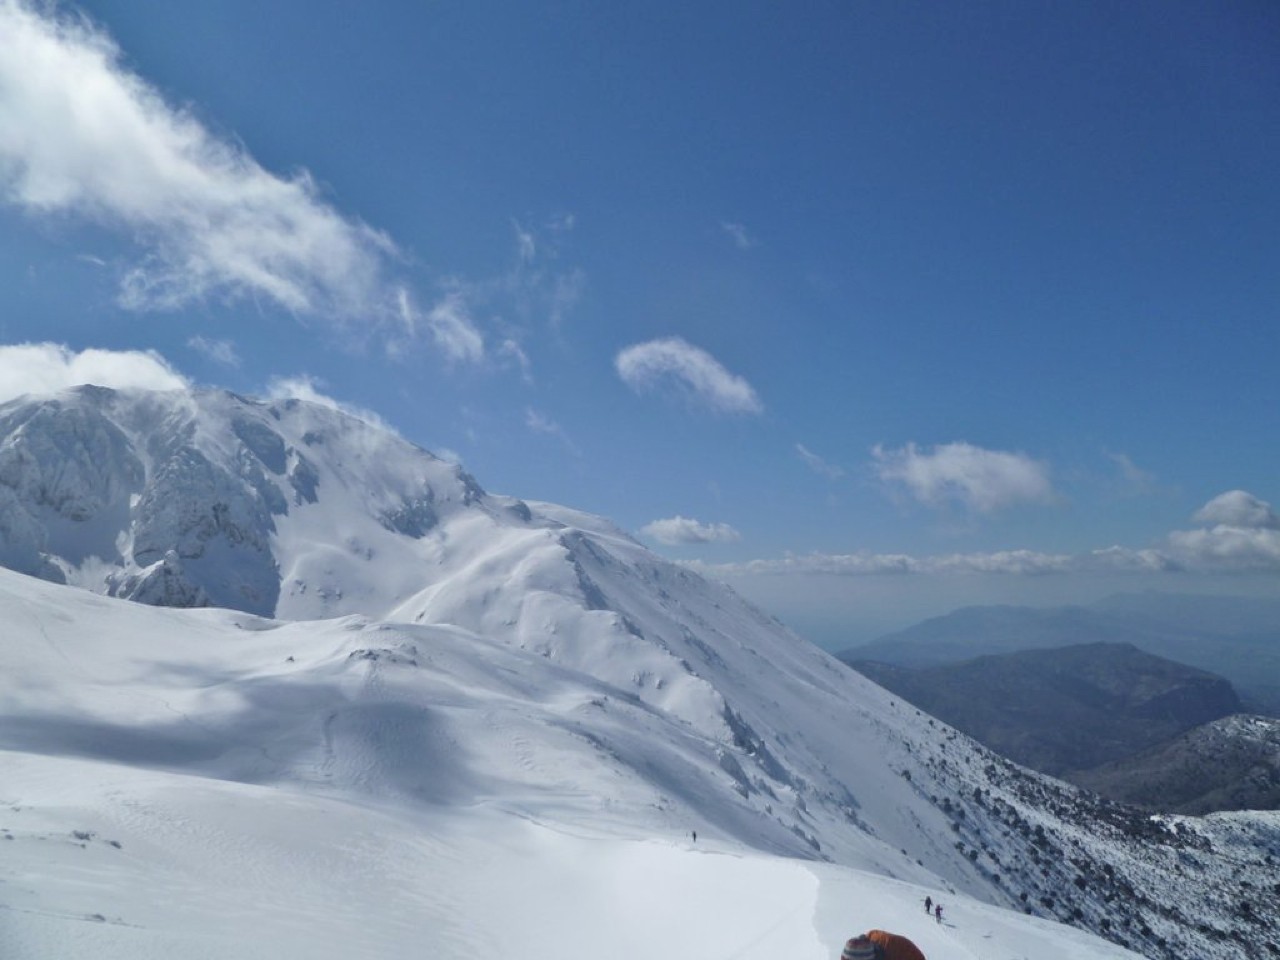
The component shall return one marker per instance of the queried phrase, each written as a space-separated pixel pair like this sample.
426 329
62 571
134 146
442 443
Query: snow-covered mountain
465 708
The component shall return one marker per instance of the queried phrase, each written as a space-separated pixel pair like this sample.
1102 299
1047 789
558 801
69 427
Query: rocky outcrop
1229 764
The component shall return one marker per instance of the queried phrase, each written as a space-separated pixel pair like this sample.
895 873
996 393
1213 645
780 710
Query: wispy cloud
564 293
981 480
677 531
311 389
1134 480
50 367
449 324
741 238
526 244
219 351
690 368
817 464
539 423
538 286
511 349
80 135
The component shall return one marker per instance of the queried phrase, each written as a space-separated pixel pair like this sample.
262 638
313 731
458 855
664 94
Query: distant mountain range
1066 709
1108 717
1235 637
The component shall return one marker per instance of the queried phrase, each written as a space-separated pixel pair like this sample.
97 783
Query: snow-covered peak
285 508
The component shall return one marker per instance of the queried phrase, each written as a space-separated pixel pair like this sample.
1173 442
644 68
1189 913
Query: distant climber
928 904
880 945
937 913
695 836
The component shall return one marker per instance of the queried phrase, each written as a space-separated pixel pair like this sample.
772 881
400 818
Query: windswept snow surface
209 785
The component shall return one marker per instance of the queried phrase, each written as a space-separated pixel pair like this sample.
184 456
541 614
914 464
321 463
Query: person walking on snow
928 904
937 913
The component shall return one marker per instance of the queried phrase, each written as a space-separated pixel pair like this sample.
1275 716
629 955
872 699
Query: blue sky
872 309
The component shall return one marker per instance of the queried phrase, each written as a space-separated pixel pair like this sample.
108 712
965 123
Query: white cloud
535 286
1225 548
1134 479
561 223
448 323
311 389
982 480
1236 508
80 135
539 423
219 351
681 530
455 333
510 348
673 359
49 367
817 464
739 235
531 293
1242 533
526 244
566 290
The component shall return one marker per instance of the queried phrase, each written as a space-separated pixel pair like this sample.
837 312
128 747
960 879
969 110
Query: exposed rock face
163 584
1229 764
208 498
67 475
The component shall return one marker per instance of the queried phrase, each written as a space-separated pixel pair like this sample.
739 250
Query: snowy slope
174 784
493 664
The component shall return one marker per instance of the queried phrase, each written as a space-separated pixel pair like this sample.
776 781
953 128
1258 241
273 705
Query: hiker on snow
880 945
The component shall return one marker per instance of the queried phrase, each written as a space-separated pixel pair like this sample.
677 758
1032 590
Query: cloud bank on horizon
1241 535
